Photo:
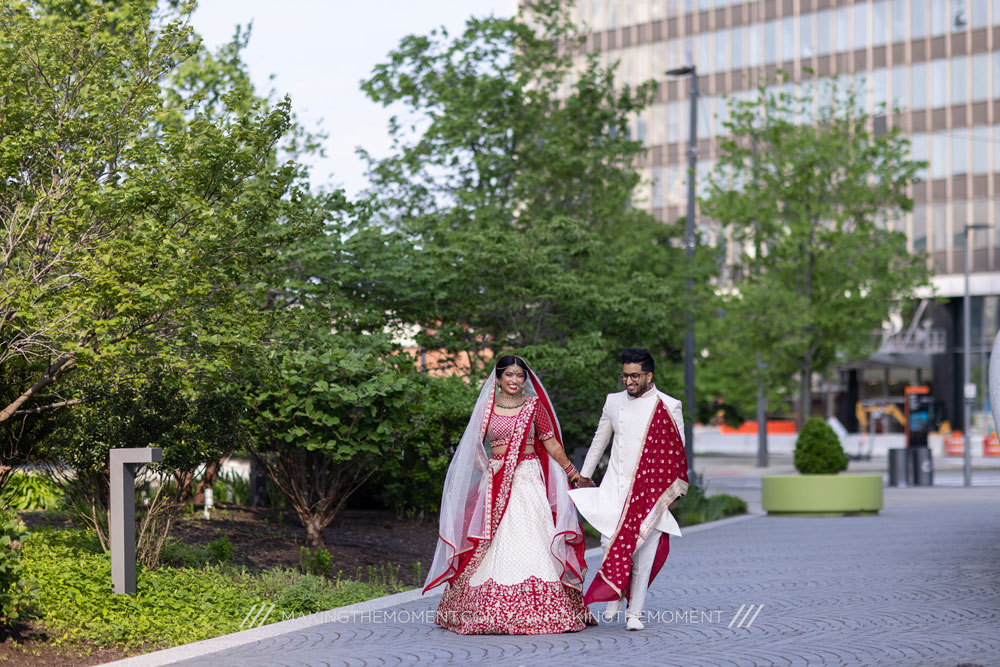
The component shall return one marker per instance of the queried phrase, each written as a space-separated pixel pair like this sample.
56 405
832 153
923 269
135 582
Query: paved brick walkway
917 585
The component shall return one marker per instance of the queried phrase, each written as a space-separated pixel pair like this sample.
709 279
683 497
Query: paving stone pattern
917 585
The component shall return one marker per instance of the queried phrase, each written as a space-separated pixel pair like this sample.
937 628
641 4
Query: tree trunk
805 394
258 482
314 525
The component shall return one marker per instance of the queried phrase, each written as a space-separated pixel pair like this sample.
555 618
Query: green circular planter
822 495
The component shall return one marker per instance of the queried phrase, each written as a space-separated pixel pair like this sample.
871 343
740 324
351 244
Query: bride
510 546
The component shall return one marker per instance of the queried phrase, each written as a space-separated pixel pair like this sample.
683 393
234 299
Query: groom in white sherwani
646 474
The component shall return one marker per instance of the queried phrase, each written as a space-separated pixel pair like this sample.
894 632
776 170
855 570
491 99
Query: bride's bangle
571 471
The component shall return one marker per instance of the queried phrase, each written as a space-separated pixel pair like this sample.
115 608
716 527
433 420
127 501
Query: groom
646 474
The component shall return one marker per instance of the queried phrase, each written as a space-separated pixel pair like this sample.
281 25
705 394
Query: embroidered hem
532 607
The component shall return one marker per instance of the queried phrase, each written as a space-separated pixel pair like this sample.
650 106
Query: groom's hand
584 482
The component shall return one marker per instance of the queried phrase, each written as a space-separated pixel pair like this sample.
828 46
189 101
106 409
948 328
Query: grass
173 605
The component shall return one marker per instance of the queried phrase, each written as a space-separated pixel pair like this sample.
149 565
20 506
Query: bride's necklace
509 406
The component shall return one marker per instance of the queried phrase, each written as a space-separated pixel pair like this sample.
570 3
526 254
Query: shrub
30 492
696 507
16 593
319 562
818 450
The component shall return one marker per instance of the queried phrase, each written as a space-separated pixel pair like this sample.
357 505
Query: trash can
922 466
898 464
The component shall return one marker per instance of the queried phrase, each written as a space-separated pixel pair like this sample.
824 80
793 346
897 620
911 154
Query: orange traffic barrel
991 445
953 444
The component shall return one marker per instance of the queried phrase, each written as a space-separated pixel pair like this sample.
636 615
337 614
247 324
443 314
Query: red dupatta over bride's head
464 520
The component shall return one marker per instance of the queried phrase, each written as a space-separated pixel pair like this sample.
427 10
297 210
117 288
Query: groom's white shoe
633 623
613 609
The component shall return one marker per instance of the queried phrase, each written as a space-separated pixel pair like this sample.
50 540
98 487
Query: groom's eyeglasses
634 377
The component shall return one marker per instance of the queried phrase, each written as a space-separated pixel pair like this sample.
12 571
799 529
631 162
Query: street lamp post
689 248
968 389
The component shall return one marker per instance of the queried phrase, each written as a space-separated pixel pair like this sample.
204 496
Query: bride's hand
584 483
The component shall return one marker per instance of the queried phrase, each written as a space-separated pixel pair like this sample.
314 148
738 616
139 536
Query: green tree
809 198
136 204
325 413
503 218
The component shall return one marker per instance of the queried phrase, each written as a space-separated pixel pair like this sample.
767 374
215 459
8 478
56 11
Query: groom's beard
638 389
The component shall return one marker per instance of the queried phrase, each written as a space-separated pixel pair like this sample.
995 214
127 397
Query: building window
939 83
787 38
939 225
996 74
960 151
770 42
977 14
980 91
939 18
919 229
919 82
918 19
899 93
981 214
880 88
721 59
899 20
879 21
960 16
918 152
673 135
959 80
860 26
980 145
843 21
939 154
806 35
736 47
704 61
824 33
959 219
753 37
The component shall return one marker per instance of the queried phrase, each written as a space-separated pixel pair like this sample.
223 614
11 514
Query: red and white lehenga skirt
512 583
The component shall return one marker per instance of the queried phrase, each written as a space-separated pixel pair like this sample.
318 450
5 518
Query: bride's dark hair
508 360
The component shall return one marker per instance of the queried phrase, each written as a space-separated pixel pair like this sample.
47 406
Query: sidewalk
918 584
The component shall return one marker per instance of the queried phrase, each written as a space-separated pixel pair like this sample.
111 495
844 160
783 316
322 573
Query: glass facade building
935 64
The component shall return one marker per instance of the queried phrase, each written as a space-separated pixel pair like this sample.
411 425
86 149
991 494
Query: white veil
464 499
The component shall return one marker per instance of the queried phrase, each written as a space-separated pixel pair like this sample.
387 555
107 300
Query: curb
215 644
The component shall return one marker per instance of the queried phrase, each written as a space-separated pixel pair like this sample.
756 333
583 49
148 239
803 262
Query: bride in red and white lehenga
511 546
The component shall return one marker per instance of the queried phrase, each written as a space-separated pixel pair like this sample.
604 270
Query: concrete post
124 462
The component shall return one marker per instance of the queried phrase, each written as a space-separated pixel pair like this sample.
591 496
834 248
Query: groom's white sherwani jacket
627 419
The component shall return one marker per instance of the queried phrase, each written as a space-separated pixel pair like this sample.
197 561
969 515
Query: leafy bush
411 478
172 605
696 507
318 562
818 450
30 492
180 554
151 412
16 593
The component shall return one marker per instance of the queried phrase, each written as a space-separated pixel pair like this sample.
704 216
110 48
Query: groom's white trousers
642 567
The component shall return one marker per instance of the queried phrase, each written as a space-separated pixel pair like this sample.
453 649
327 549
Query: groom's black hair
508 360
637 355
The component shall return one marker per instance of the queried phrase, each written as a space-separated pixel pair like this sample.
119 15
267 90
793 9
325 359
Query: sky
317 52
